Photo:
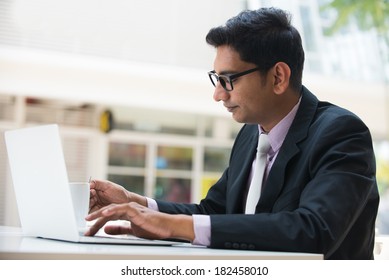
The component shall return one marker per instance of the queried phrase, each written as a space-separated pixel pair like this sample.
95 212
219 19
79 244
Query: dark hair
263 37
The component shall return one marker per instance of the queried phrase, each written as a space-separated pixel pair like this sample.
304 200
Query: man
319 193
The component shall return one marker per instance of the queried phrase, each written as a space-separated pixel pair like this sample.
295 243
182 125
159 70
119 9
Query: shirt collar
278 133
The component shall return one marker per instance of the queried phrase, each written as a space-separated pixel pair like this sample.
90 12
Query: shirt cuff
202 230
152 204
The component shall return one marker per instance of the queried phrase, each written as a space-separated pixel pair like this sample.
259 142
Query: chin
238 119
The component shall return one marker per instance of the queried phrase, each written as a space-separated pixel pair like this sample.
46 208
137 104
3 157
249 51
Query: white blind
169 32
7 105
77 154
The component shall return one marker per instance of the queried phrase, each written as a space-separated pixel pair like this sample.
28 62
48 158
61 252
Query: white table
15 246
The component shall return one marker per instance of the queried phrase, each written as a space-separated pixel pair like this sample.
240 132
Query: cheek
253 105
256 100
249 104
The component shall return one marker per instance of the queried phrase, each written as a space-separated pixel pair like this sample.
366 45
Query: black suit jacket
320 196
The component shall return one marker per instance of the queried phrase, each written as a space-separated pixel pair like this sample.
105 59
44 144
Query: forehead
228 60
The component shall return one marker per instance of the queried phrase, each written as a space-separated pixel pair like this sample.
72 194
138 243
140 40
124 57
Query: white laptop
42 191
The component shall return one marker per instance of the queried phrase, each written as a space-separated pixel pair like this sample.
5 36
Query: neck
284 104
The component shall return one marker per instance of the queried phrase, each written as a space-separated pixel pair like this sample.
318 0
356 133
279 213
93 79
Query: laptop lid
41 182
42 190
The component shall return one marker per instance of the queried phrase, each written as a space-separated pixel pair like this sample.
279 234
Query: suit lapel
297 132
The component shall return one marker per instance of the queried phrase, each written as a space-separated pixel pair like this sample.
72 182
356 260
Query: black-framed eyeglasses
227 79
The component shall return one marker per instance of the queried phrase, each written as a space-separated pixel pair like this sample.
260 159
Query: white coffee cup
80 198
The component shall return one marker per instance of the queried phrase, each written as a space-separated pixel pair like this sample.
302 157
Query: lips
230 108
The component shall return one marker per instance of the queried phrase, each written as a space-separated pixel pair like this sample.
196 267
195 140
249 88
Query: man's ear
281 72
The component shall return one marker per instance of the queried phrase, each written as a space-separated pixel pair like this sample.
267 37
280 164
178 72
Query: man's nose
220 94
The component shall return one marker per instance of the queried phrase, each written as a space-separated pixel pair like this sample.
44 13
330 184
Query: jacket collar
297 132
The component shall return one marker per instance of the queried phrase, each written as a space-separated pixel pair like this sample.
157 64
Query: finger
102 216
120 211
117 229
93 215
92 193
97 184
99 213
96 226
92 201
92 184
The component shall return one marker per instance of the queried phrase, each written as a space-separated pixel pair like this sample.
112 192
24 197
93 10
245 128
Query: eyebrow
226 72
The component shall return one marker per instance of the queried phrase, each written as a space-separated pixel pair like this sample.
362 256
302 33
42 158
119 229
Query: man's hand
104 193
145 222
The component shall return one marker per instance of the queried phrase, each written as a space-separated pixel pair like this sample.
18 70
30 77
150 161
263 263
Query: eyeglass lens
225 83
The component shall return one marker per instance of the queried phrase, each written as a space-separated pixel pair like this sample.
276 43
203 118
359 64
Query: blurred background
127 82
